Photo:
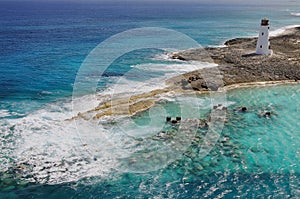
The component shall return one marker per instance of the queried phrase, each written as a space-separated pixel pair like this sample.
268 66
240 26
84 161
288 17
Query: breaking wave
45 147
295 14
280 31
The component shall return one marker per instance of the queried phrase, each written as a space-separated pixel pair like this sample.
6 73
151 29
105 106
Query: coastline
238 63
237 67
258 84
130 107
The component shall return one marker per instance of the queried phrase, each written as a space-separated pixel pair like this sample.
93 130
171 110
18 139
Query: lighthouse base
269 52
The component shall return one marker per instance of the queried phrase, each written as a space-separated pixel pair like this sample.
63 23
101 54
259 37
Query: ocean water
45 46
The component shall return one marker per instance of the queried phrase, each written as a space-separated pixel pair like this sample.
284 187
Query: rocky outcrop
122 106
237 63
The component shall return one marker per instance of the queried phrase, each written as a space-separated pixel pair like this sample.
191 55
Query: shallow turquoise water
254 157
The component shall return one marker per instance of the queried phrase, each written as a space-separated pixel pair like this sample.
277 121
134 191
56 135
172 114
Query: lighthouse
263 43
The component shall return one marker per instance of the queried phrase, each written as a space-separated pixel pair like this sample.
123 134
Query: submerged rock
265 114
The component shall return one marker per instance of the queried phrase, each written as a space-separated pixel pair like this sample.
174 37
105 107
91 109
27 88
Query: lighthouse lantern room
263 43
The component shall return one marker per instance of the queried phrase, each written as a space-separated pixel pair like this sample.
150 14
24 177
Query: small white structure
263 43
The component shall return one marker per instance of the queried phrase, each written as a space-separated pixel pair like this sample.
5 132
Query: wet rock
168 119
224 139
236 156
177 56
174 121
243 109
178 118
267 114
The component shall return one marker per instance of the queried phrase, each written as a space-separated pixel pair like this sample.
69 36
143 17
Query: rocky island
237 65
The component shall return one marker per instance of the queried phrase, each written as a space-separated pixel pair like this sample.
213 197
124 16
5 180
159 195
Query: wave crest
295 14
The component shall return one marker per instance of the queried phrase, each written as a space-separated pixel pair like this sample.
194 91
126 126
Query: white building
263 43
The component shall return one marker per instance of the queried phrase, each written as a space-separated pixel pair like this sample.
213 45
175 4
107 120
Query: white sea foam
280 31
4 113
46 92
123 86
295 14
48 149
163 57
174 69
273 33
52 150
218 46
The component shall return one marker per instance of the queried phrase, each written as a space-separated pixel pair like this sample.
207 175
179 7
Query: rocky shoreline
237 67
238 64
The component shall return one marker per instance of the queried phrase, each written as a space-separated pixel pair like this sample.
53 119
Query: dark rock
203 85
267 114
177 56
168 119
243 109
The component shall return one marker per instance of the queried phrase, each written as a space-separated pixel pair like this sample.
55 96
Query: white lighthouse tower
263 43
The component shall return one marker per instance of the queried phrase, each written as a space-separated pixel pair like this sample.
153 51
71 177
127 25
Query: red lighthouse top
265 22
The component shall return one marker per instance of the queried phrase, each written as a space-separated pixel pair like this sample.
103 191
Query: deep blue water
42 48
